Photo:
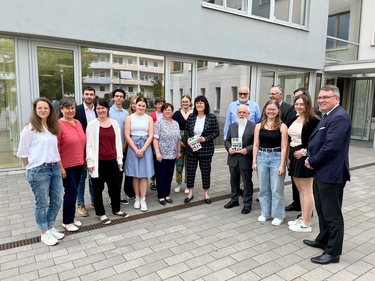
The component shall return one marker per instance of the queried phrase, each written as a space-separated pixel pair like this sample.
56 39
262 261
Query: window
130 89
117 60
102 58
292 12
218 98
130 61
234 93
102 88
143 62
156 64
181 92
203 91
338 27
177 66
115 74
102 73
202 63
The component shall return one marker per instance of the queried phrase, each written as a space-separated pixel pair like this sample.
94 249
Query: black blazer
285 110
245 161
210 133
307 129
81 116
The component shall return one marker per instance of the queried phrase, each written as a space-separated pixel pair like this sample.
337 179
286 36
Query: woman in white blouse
39 153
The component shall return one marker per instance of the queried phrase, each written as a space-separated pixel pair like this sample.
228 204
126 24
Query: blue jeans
71 182
81 189
271 185
46 184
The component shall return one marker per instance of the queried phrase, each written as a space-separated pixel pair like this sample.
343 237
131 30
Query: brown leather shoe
81 210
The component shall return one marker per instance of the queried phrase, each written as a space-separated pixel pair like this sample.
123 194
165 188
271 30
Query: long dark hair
277 122
206 105
36 121
308 105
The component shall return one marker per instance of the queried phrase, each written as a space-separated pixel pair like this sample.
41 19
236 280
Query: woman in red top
71 144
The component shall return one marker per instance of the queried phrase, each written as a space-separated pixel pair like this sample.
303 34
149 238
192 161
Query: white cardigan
92 145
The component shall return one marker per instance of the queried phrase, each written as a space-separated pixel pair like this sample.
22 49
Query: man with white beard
239 144
243 98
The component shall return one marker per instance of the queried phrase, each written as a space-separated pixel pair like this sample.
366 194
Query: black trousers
328 203
246 174
108 173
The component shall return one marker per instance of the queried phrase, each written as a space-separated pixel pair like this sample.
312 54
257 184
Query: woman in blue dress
139 132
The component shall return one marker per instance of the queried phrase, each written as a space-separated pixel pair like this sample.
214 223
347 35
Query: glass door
361 98
266 82
57 72
180 79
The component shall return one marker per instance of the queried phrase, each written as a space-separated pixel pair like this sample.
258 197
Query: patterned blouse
168 136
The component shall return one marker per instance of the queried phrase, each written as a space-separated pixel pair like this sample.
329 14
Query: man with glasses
118 113
243 98
277 93
328 155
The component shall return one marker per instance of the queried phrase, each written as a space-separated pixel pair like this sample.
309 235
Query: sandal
105 221
121 214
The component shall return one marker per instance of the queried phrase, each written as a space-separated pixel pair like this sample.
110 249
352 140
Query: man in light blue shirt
119 114
243 98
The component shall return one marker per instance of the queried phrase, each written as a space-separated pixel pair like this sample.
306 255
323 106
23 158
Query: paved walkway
189 242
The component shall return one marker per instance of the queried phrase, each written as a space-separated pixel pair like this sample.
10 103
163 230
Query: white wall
367 31
178 26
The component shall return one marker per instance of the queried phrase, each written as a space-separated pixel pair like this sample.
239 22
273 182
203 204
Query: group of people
295 138
60 148
107 142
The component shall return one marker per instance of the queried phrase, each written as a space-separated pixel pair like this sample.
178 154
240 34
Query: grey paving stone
223 274
149 268
55 269
129 265
98 274
195 273
172 270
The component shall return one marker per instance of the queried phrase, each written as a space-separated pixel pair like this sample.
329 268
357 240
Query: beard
243 100
242 121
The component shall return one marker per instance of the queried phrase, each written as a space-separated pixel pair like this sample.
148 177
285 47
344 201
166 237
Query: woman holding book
201 129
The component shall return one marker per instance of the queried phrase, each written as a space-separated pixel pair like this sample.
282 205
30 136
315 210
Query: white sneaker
262 218
48 239
300 227
186 190
58 235
178 188
137 204
277 221
143 205
296 221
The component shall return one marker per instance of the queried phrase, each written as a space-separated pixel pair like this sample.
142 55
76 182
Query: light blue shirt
119 115
232 114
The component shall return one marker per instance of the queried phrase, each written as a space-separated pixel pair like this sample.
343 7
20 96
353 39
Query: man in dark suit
328 155
240 159
296 204
277 93
85 112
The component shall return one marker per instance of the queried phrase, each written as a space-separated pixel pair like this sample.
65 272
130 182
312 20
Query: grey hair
332 88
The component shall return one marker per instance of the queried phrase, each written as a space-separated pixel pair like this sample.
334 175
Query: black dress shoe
208 200
314 244
187 199
325 259
231 204
292 207
246 210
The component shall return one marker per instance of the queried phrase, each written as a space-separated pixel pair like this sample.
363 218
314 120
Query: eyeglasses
118 96
243 94
325 97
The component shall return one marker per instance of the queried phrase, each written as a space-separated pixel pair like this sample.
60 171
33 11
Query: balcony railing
96 80
339 50
100 64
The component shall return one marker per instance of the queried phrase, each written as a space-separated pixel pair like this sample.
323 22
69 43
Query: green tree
158 88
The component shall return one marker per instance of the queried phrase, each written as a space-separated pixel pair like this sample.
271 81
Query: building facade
195 47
